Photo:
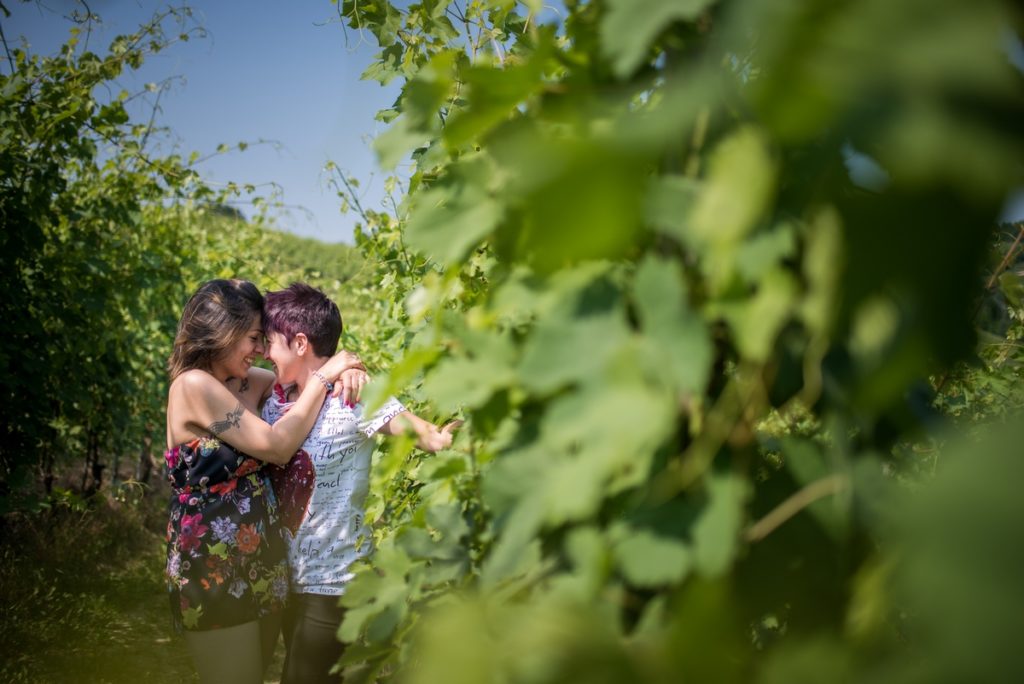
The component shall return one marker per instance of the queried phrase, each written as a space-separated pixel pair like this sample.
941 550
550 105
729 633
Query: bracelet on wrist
320 376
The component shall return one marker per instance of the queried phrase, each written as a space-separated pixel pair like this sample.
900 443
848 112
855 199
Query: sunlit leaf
493 94
757 320
451 218
397 142
739 187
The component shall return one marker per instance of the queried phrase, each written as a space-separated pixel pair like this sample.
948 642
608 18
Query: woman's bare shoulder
193 380
187 398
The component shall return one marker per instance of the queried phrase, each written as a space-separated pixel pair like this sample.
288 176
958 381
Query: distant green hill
326 265
338 269
278 258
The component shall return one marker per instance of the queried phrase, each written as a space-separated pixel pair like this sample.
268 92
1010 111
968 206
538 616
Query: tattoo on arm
244 386
232 419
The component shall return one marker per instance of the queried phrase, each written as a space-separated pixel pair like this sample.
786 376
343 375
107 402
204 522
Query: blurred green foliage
694 356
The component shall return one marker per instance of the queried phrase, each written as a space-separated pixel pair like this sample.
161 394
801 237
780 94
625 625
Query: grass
82 595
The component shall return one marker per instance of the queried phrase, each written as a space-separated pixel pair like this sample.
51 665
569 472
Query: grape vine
693 353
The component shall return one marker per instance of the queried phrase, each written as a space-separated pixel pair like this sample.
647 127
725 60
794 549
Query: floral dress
226 558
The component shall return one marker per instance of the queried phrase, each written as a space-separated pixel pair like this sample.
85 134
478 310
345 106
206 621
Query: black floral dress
226 557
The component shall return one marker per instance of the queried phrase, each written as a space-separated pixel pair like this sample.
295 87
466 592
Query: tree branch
7 51
819 489
350 191
1006 260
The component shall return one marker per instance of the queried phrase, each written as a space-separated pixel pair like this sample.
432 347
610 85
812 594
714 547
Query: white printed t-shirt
322 490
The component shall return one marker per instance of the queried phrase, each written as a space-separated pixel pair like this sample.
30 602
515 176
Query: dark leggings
311 637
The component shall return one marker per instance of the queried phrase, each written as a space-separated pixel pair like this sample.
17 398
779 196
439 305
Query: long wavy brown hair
215 318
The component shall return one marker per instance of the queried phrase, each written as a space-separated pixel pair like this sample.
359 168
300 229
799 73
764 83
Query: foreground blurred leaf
648 560
563 351
678 335
716 533
960 563
629 26
450 218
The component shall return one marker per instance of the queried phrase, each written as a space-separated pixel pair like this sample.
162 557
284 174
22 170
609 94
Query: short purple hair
302 308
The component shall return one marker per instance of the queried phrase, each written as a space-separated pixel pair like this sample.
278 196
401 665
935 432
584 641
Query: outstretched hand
438 439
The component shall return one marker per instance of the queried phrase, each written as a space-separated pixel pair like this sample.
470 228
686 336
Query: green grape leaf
605 438
386 66
716 532
573 490
668 203
756 321
764 251
441 468
585 547
680 338
516 551
355 619
465 382
381 626
590 555
650 560
494 93
629 26
563 351
397 142
427 92
448 521
447 221
581 198
417 543
739 187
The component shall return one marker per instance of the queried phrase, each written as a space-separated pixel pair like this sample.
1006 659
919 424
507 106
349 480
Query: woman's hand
339 363
350 386
429 437
348 375
434 439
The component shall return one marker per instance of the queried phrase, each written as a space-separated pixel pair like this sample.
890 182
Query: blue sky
267 70
284 72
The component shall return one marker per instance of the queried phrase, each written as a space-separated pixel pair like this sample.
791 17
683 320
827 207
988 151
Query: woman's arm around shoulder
199 404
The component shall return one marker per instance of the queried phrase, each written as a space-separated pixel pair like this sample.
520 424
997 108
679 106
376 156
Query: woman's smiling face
282 354
240 356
